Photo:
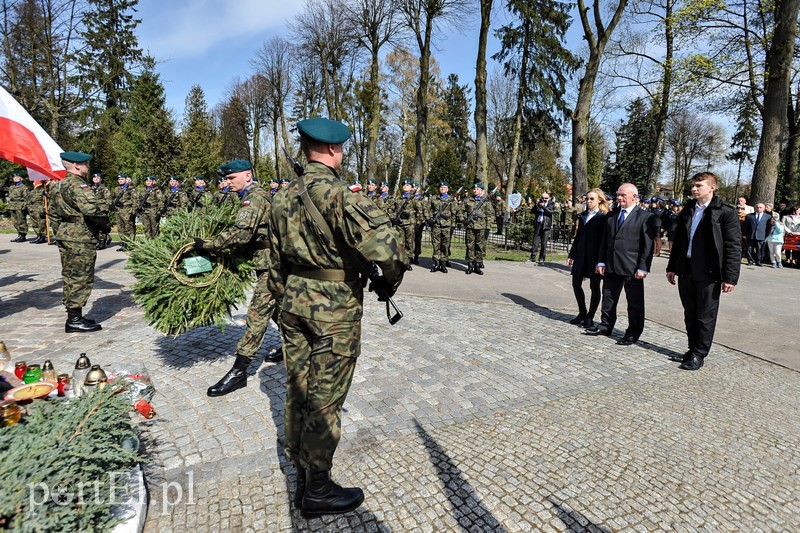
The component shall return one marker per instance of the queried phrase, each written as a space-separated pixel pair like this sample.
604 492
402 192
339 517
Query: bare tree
693 142
481 156
596 37
254 94
376 23
273 62
423 17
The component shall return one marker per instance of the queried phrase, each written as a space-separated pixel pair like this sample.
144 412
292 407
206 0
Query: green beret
408 182
384 184
174 178
477 185
198 178
122 176
274 179
75 157
284 180
151 178
444 184
97 176
232 167
324 130
371 182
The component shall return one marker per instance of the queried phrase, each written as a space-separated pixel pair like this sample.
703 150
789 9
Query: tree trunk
663 106
481 157
521 91
792 179
421 134
776 100
374 126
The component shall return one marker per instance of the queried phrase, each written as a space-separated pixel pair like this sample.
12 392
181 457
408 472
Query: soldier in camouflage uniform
152 199
104 197
80 217
37 213
372 190
441 215
52 218
175 198
322 299
403 213
18 206
420 207
384 200
478 214
126 200
249 237
225 196
199 196
499 213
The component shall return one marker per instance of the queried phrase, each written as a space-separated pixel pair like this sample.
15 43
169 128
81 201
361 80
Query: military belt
325 274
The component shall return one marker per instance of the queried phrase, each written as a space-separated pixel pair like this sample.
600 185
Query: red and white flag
24 141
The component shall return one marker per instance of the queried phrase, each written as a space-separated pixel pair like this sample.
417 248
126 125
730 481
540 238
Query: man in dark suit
755 229
706 257
542 224
626 253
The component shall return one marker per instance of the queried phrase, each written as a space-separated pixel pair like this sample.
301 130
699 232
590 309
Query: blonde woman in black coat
583 256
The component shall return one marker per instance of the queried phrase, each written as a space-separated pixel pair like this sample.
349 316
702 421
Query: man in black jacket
542 224
626 253
706 258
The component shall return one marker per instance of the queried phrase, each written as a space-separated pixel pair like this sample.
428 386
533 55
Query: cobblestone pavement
466 416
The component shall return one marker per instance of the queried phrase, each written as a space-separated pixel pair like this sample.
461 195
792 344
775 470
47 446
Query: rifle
474 215
367 268
196 201
447 202
140 209
168 203
396 219
115 203
222 198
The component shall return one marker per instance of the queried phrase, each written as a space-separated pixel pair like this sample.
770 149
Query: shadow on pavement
208 343
574 520
273 384
538 309
107 306
672 354
43 298
16 278
463 499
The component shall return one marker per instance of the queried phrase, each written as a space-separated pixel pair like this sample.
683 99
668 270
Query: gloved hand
147 205
199 243
382 288
405 216
42 216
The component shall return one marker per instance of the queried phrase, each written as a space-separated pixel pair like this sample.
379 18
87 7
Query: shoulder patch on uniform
355 187
246 203
84 186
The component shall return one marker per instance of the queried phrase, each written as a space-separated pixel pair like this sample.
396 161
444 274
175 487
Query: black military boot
323 496
478 267
21 237
415 260
53 241
41 239
443 266
300 489
35 240
77 324
470 267
235 379
435 267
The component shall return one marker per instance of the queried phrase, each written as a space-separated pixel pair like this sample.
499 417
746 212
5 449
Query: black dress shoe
80 325
577 320
626 341
588 323
235 379
597 330
694 363
274 357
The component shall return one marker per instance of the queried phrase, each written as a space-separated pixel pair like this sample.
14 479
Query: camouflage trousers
150 224
320 358
262 308
126 225
38 222
20 220
440 237
406 234
77 269
476 244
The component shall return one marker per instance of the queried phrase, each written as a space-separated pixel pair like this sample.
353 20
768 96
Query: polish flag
24 142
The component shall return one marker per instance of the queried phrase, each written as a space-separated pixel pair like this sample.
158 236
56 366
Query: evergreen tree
146 141
446 166
112 52
636 144
456 115
596 151
234 129
200 148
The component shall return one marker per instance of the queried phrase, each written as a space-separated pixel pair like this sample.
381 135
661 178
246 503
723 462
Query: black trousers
634 293
540 237
755 251
580 296
700 300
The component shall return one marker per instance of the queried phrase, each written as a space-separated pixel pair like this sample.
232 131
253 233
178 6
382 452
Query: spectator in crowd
791 225
755 229
671 222
584 253
775 233
742 202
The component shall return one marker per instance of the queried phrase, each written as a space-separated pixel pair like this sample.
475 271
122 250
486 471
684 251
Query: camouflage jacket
174 201
482 219
103 195
127 200
151 201
298 248
18 197
229 197
36 201
249 236
78 211
403 211
444 209
199 198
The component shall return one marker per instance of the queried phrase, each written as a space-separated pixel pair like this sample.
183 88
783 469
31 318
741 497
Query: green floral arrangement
174 301
62 467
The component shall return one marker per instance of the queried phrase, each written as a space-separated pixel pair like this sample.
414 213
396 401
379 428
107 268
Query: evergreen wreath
174 302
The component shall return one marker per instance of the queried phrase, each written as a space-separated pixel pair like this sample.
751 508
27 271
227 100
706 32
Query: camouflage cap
234 166
324 130
75 157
